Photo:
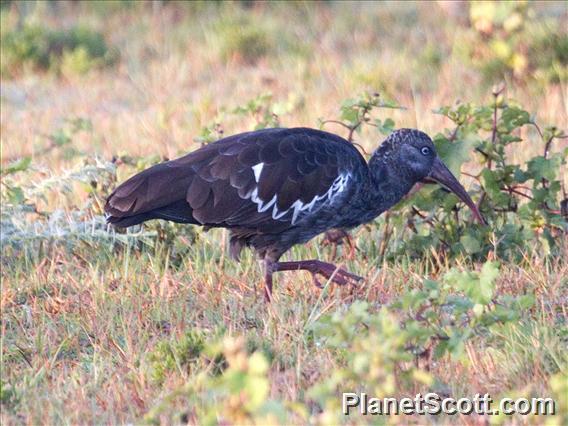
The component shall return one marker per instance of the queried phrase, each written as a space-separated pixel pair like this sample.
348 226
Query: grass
84 336
99 332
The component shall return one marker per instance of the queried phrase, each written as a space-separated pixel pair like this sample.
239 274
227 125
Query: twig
454 134
429 221
494 126
352 131
513 190
486 155
481 199
547 147
470 175
341 123
538 129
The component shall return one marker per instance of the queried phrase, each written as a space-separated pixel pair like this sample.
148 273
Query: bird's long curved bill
442 175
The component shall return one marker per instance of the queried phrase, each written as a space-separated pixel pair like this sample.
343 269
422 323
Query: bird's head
410 155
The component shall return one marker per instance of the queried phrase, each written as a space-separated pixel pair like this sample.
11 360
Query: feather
304 166
216 185
231 149
118 205
321 158
272 178
299 145
240 179
249 156
221 166
286 148
269 153
197 193
288 194
129 186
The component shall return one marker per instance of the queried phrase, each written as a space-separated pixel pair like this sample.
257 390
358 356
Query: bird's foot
317 267
335 275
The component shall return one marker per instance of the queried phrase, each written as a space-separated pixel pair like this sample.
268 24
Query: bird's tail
125 222
179 212
155 193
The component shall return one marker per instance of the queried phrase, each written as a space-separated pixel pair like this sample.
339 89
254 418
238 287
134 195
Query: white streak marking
339 185
257 169
261 206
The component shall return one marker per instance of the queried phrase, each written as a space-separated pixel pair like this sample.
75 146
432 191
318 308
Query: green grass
105 336
162 326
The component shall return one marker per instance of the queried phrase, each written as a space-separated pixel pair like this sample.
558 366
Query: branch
341 123
454 133
351 131
538 129
547 147
471 176
494 128
513 190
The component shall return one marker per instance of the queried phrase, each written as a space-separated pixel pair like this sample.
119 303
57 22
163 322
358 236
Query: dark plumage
275 188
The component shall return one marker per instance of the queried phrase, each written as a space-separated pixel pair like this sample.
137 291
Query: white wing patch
338 186
257 169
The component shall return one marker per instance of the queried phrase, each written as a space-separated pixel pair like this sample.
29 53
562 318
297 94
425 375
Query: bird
277 187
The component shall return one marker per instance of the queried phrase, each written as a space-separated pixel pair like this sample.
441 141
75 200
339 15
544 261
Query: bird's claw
335 275
316 281
315 267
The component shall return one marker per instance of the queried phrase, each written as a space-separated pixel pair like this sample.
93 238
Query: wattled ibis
274 188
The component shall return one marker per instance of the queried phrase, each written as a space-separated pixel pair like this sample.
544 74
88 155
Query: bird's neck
387 183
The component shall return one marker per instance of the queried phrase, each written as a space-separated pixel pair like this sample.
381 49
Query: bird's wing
264 180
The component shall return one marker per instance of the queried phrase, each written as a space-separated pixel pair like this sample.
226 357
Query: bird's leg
352 246
335 237
317 267
268 271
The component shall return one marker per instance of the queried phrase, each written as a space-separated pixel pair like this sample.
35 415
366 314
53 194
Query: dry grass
78 327
77 335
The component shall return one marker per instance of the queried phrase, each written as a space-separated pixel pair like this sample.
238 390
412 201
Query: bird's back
263 181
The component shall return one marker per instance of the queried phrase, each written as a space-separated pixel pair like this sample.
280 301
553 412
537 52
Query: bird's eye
425 150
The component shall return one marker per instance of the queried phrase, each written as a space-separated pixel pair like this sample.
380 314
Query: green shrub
522 202
75 50
240 395
243 40
181 353
512 41
388 351
8 395
384 351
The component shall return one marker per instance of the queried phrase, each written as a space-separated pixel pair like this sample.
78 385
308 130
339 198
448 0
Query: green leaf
350 115
457 342
479 287
525 302
459 303
488 275
17 166
514 117
470 244
542 168
441 349
478 310
385 127
16 195
454 154
491 183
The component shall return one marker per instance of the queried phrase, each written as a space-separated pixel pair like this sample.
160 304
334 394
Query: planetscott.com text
432 403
